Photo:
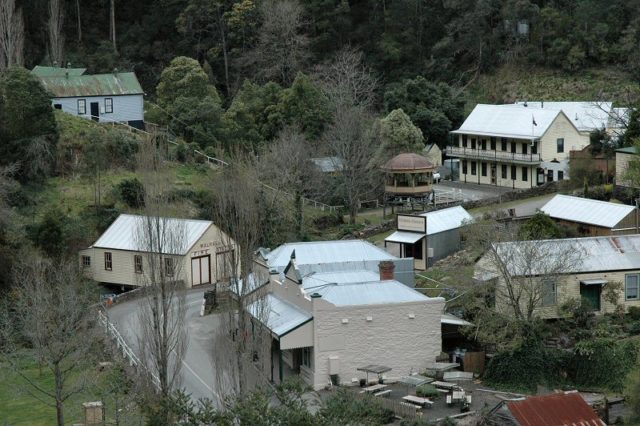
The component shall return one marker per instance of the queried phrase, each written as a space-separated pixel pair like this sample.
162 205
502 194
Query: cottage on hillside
196 252
111 98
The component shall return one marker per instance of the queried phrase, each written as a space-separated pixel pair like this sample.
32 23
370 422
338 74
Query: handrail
493 154
316 204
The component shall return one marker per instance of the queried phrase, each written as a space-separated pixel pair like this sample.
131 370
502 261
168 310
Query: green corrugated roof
627 150
41 71
122 83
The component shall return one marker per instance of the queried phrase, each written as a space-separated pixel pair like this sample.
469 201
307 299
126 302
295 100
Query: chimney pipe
387 269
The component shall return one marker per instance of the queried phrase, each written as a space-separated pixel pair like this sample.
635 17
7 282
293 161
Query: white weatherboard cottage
116 97
118 257
336 306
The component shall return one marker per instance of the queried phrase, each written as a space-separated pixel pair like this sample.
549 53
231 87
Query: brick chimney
387 269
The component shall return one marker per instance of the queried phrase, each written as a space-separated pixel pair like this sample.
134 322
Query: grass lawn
19 407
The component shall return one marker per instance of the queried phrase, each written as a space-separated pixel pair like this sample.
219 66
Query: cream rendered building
327 319
515 146
200 254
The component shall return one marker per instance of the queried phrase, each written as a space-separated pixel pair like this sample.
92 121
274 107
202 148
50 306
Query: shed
593 217
431 236
623 157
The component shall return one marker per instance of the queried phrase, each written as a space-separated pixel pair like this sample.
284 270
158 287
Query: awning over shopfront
283 319
404 237
594 282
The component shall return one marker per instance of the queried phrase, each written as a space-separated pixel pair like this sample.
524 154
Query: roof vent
525 104
316 295
115 70
541 104
68 64
576 116
55 63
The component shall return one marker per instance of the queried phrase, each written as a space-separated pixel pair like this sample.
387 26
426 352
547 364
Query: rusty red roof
562 409
409 162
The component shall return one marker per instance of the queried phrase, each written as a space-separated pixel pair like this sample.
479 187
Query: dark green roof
41 71
628 150
121 83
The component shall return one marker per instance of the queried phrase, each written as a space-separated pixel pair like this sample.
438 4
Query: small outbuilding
593 217
409 175
431 236
623 157
199 253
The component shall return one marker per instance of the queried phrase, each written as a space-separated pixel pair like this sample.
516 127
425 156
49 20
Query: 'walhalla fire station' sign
412 223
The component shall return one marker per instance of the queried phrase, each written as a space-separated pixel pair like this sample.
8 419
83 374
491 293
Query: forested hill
452 41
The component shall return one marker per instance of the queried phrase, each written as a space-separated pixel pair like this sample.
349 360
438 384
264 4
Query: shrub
634 312
131 192
427 391
182 152
603 363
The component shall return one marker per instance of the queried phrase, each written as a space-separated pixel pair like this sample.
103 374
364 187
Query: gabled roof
586 116
446 219
125 233
594 254
41 71
121 83
277 314
508 121
584 210
628 150
562 409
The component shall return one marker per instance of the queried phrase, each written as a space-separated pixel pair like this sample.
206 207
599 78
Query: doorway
201 270
95 111
493 174
591 295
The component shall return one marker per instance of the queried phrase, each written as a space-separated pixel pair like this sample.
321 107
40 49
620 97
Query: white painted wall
125 107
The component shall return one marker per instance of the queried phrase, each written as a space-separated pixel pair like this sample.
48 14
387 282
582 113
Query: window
57 106
473 168
168 266
549 175
473 143
82 107
493 144
86 261
534 147
484 169
525 174
108 105
560 175
108 263
560 142
484 144
524 148
464 141
306 357
503 144
513 172
464 167
549 293
137 263
513 147
504 171
631 287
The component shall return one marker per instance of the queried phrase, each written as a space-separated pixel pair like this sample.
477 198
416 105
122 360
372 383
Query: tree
163 336
434 107
540 227
281 50
54 28
51 310
352 138
11 34
112 24
304 105
183 78
28 132
398 135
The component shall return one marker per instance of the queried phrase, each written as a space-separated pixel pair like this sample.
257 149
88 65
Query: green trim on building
72 86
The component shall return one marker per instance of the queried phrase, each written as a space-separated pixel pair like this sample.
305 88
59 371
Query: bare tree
112 23
79 21
51 309
238 209
161 240
11 34
346 81
352 138
54 28
282 48
286 165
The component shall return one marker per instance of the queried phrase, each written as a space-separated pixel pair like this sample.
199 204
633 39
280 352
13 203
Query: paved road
197 372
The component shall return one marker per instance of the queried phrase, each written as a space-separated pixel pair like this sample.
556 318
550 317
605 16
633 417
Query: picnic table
417 400
374 388
446 385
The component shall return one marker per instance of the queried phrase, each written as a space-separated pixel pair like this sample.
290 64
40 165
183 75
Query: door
95 111
493 174
591 295
200 270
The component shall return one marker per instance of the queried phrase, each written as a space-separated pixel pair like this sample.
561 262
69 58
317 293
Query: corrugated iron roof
125 233
404 237
507 121
121 83
277 314
628 150
408 162
566 409
584 210
446 219
593 254
453 320
41 71
586 116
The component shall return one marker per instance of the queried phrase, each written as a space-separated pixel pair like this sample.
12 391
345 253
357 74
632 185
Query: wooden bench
408 404
383 393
